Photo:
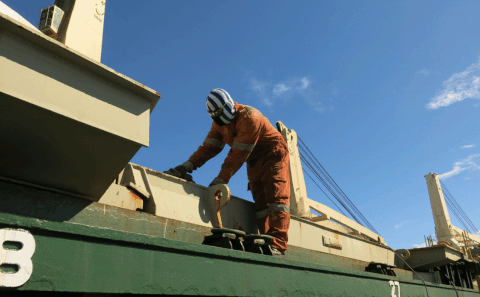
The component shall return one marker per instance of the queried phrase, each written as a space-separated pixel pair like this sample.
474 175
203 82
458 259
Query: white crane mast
444 230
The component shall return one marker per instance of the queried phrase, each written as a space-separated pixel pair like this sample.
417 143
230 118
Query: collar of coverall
237 106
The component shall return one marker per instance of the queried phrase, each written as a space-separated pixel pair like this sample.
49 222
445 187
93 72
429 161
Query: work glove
217 181
182 171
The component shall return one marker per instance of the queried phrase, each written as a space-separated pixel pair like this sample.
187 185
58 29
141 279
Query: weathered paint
134 263
83 246
181 200
76 122
138 202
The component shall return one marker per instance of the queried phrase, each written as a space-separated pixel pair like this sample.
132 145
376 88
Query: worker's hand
217 181
181 171
178 171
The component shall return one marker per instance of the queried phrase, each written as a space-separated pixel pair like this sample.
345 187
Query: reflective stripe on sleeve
273 207
215 142
243 146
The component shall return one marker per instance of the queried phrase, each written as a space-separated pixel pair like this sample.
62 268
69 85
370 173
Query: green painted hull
86 247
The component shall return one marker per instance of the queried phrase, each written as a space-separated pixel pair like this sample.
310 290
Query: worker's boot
277 253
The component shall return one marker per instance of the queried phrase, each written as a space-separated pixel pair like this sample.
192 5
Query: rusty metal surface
311 256
81 242
422 259
181 200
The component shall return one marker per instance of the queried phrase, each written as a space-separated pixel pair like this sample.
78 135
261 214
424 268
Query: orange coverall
254 140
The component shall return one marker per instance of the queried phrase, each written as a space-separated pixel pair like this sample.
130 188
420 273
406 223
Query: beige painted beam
73 123
443 226
298 190
475 239
185 201
330 214
82 26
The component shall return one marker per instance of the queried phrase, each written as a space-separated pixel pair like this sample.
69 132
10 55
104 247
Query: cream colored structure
444 229
82 26
300 204
84 120
175 198
75 124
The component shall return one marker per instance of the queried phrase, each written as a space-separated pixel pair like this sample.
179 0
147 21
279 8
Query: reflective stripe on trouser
270 185
276 224
273 207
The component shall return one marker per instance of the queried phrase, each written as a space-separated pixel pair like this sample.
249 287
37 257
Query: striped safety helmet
220 99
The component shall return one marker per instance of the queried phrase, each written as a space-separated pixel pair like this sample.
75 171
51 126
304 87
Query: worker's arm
212 146
249 129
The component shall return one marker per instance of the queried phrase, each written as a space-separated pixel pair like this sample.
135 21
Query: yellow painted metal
445 231
443 226
298 191
219 196
184 201
120 196
74 122
82 28
300 204
355 228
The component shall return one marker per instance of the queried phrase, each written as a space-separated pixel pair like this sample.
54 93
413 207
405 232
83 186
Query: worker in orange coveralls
254 140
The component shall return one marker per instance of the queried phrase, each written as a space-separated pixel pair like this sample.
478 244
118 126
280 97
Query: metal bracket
218 197
381 268
258 243
226 238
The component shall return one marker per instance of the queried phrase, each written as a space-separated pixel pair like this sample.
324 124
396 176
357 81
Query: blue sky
382 92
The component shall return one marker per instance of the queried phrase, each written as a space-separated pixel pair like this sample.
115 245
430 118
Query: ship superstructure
77 217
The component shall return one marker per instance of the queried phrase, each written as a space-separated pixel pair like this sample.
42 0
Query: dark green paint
85 247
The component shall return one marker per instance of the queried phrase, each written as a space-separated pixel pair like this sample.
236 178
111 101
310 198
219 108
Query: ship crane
77 218
301 205
447 233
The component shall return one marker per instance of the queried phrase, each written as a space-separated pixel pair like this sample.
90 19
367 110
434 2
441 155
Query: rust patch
138 202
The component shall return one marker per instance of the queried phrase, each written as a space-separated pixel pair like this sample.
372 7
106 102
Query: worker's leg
272 197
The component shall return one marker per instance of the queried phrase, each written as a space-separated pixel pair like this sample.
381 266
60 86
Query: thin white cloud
279 89
458 87
422 245
423 72
400 224
305 82
260 89
462 165
268 92
467 146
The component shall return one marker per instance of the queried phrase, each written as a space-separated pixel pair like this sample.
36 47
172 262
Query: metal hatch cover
67 122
